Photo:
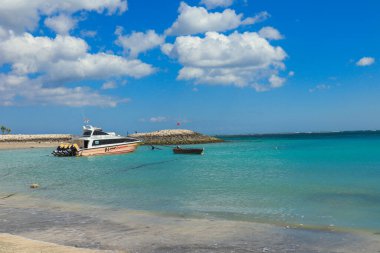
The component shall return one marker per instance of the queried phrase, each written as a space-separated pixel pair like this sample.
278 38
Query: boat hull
188 151
109 150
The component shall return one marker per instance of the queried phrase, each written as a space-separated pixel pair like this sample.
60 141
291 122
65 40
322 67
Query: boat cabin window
85 144
110 141
87 133
99 132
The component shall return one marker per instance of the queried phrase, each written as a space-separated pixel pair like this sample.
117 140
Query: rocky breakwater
15 141
35 138
174 137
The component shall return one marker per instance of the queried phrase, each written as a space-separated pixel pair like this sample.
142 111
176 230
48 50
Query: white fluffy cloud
29 54
194 20
53 63
109 85
212 4
13 87
3 33
61 24
97 66
365 61
138 42
157 119
65 57
88 33
241 60
276 81
44 70
21 15
320 87
270 33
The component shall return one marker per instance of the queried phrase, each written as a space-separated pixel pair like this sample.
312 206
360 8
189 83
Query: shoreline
161 137
72 205
12 243
27 145
103 228
23 141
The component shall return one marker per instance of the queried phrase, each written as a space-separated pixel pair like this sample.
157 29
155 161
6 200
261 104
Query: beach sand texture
16 141
17 244
76 225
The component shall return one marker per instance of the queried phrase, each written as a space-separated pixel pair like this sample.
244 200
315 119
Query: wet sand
98 228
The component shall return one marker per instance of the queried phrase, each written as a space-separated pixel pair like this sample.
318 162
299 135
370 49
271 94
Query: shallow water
316 180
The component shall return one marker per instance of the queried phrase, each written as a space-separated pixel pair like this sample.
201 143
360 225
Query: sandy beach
12 243
78 226
23 145
20 141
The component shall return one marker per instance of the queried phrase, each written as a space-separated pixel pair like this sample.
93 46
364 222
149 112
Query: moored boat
95 141
188 151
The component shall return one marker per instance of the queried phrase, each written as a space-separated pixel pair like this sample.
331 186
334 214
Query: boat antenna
85 119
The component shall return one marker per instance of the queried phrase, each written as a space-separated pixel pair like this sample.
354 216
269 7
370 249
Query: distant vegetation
5 130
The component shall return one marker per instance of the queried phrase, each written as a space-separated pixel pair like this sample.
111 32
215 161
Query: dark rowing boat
188 151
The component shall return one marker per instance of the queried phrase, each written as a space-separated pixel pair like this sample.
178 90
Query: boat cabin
94 137
89 131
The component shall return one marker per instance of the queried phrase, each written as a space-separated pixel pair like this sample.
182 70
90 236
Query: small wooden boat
188 151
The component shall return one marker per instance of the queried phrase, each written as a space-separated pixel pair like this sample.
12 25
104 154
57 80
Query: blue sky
216 66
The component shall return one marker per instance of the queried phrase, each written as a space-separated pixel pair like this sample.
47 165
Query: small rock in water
34 186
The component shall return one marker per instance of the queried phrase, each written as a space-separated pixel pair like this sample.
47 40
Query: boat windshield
87 133
99 132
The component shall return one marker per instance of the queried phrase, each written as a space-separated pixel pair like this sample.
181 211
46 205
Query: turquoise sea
323 180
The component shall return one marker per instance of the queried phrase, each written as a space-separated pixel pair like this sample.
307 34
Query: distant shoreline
35 137
175 137
20 141
26 145
302 134
162 137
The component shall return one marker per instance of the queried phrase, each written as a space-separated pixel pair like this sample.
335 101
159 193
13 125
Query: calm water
319 180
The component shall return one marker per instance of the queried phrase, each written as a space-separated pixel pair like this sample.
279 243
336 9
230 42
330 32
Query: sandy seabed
68 227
